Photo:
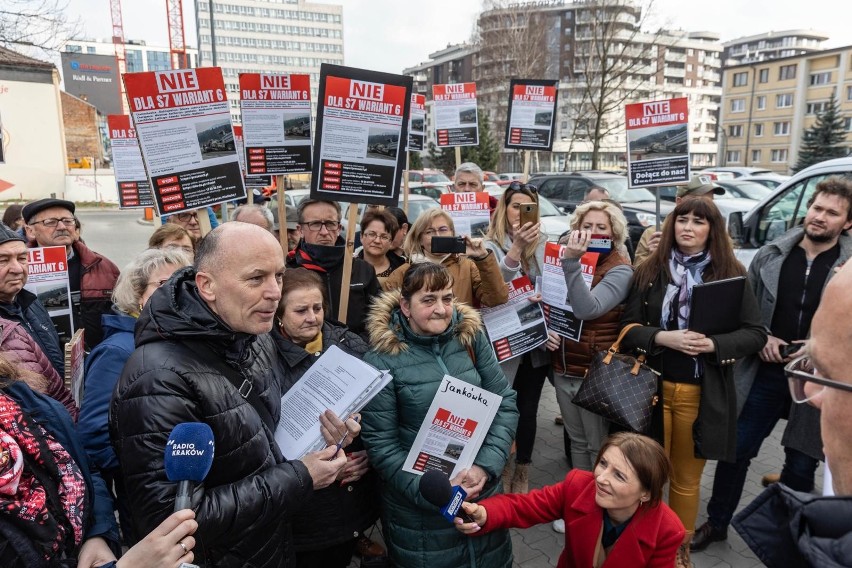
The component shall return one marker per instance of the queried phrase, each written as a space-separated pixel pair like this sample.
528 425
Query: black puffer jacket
337 513
244 505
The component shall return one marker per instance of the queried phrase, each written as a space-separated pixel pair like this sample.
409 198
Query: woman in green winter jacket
421 334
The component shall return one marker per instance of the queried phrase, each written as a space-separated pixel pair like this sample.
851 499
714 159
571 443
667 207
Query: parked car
769 180
417 204
490 176
784 209
292 197
554 221
506 179
434 177
435 191
736 171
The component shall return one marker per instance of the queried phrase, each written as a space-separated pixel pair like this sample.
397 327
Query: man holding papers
435 347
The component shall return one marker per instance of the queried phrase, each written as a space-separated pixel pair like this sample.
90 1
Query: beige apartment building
767 106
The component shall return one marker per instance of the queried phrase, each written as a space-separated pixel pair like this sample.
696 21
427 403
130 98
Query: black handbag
620 388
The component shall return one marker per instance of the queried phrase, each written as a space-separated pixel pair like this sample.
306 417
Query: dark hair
305 203
723 263
834 185
383 217
426 276
166 232
13 214
399 215
648 459
302 279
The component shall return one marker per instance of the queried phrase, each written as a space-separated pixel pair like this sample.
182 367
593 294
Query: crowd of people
216 328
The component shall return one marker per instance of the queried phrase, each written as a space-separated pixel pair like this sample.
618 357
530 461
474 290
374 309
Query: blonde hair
498 231
412 245
133 280
616 219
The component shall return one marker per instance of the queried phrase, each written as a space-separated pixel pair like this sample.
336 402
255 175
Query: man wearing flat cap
698 187
50 222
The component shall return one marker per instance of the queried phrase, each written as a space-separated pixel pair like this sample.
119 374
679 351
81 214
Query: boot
682 559
521 478
506 476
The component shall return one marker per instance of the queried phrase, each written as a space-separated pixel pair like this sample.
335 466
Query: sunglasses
518 186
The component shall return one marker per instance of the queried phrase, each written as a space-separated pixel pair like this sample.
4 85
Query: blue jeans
768 401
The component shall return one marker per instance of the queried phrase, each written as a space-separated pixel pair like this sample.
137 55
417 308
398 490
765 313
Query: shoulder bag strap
617 345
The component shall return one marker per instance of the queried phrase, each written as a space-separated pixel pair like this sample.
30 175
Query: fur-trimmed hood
390 334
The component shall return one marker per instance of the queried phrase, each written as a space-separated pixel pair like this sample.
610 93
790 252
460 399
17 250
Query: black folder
716 306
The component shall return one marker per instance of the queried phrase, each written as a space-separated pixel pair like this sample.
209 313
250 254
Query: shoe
682 559
521 478
770 479
558 420
506 476
366 547
705 535
559 526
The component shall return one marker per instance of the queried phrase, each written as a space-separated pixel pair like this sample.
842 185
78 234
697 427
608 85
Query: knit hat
7 234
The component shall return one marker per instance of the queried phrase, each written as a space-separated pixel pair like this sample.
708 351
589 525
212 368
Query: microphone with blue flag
189 455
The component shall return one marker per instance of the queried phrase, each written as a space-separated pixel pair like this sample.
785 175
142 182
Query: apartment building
282 36
772 45
767 105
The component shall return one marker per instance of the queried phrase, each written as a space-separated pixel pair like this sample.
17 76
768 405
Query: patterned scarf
686 272
42 490
319 258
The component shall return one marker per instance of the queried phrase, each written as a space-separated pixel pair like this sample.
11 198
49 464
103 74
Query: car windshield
618 190
546 208
747 189
417 206
435 178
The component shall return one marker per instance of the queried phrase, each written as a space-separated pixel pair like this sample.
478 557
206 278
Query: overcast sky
389 35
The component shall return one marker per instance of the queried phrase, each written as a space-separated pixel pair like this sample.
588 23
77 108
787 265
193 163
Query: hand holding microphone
435 488
188 457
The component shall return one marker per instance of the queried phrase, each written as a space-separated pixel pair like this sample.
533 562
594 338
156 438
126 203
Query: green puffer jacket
415 532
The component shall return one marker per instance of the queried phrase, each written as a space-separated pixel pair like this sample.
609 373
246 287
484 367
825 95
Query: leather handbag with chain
620 388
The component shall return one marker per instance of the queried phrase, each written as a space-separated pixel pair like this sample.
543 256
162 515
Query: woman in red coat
614 516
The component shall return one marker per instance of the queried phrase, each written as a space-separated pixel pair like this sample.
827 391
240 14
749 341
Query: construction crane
118 44
177 41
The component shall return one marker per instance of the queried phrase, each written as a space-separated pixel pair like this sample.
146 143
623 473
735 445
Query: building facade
772 45
767 105
254 36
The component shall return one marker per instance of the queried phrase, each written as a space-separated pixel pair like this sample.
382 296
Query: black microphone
435 487
189 455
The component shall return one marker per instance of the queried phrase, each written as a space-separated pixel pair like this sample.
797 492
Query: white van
784 209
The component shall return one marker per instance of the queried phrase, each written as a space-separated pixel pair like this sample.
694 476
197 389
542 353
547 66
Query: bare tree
41 25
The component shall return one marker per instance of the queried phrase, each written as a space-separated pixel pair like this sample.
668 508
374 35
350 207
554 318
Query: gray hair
133 280
305 203
470 168
265 211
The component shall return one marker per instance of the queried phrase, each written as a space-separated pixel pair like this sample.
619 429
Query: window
90 49
73 48
758 130
755 156
779 155
821 78
816 108
740 79
847 124
782 128
763 76
784 101
787 211
786 72
735 130
849 93
761 102
738 105
733 156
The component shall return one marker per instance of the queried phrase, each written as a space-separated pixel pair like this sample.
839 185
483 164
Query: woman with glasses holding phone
518 246
137 282
378 230
477 280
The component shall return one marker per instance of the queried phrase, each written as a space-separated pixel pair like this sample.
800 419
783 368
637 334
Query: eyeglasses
315 226
373 235
184 217
518 186
800 372
440 231
53 221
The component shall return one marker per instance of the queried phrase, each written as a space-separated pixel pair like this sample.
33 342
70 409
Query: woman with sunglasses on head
137 282
378 231
477 280
696 419
519 251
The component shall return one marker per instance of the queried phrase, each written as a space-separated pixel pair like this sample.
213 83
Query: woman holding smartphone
518 246
476 276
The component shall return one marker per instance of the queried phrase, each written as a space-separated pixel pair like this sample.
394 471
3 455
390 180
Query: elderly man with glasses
321 250
787 528
51 222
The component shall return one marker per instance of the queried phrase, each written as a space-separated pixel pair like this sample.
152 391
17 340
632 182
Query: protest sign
469 211
183 121
658 142
417 124
518 325
48 279
75 355
241 148
532 114
276 116
554 291
362 116
454 115
134 190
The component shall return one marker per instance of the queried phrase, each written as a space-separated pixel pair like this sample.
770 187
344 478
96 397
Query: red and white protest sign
532 114
48 279
134 190
454 114
469 211
658 142
183 121
517 326
417 123
554 291
276 116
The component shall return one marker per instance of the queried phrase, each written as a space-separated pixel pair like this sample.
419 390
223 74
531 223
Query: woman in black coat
328 526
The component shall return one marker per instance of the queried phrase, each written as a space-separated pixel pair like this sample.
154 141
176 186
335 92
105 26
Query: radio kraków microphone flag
435 488
189 455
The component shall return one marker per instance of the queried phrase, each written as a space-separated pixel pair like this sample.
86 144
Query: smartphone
448 245
789 349
529 213
600 243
